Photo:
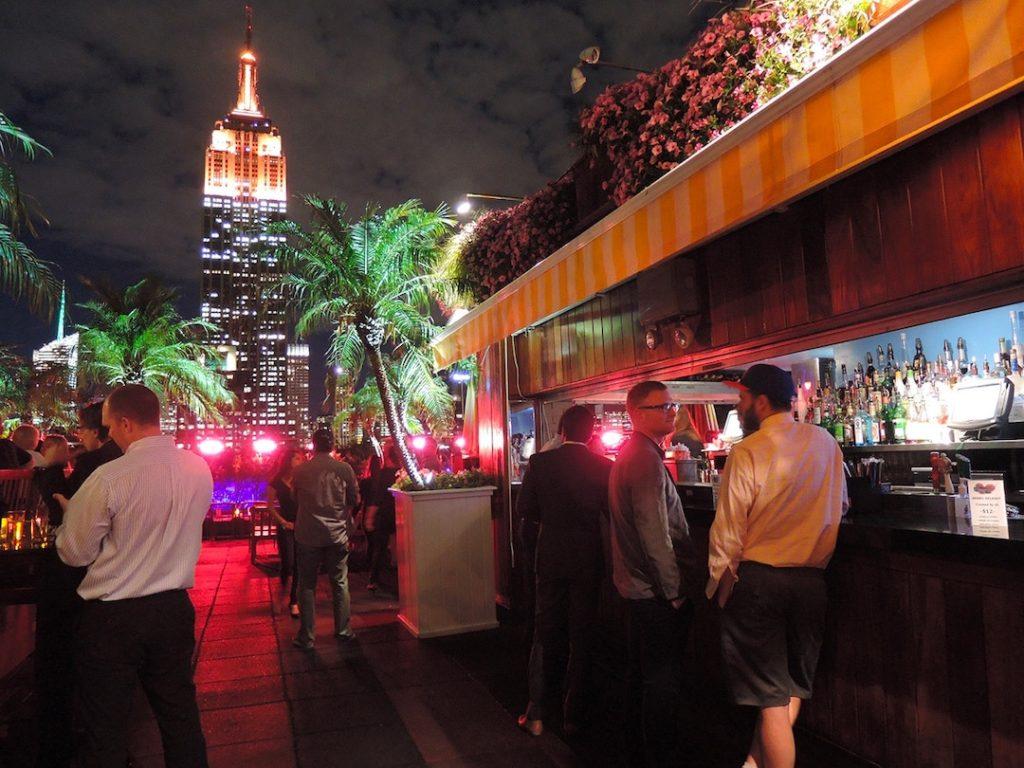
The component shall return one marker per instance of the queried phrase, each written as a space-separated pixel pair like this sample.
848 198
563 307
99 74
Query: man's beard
749 422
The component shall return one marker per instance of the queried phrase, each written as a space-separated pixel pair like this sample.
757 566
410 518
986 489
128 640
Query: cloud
375 100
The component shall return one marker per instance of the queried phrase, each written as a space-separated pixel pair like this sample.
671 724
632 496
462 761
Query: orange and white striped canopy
923 66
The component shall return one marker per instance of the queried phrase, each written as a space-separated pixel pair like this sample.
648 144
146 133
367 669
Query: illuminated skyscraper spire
248 99
61 312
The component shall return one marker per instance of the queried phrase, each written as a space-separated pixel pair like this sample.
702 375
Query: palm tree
370 280
136 336
14 372
21 273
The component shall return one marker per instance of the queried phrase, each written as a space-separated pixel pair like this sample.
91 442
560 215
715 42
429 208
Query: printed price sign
988 505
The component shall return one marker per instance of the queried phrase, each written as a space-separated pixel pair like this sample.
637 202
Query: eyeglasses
663 407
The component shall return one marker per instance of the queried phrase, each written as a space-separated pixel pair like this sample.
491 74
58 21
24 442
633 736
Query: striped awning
922 67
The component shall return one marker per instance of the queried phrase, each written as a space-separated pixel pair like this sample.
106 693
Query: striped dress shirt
781 501
137 522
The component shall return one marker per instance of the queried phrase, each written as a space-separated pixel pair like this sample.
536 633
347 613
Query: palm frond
23 275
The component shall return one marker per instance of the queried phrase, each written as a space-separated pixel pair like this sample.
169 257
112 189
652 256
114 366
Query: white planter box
445 561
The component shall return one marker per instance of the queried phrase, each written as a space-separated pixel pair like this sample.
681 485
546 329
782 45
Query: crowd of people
781 499
129 519
114 611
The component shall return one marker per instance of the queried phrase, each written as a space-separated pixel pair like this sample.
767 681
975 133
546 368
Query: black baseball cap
768 380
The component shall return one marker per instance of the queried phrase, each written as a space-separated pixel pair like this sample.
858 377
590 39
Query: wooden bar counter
921 664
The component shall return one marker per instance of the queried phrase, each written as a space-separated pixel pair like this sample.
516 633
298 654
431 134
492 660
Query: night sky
376 102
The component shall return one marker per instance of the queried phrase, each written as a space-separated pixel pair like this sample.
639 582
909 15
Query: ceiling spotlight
464 208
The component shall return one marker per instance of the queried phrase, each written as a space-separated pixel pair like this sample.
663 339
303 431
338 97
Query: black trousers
657 641
289 563
56 616
377 543
563 624
148 640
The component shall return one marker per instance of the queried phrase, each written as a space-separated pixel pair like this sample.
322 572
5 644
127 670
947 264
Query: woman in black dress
283 505
380 514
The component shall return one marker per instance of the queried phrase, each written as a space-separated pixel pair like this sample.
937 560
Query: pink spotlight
263 445
211 446
419 442
460 442
612 438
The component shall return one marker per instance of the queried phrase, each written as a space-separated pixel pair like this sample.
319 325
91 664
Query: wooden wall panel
968 684
964 197
1004 627
934 728
928 265
789 245
899 672
841 261
866 237
871 646
815 257
1002 169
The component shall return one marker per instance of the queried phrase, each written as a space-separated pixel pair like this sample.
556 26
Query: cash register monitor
980 404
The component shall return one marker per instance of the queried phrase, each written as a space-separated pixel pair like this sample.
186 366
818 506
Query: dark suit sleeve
528 504
83 468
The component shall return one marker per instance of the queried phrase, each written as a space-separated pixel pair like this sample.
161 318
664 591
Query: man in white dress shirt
782 498
137 524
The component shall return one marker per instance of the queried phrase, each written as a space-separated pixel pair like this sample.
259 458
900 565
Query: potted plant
445 553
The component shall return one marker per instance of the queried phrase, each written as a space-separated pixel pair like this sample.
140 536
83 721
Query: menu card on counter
988 505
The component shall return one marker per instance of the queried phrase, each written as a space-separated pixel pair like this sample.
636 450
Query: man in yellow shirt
782 498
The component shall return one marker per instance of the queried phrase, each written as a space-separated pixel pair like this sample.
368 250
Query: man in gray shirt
655 567
327 491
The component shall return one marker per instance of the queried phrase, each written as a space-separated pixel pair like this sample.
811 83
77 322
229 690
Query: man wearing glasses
655 567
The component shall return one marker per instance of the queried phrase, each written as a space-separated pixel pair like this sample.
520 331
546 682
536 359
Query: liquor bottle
816 414
872 431
906 355
849 427
899 422
1000 362
974 367
890 365
985 368
869 373
1004 355
839 427
961 356
919 359
844 381
1016 352
858 426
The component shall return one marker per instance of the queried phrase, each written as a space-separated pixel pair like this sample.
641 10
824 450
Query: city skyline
379 104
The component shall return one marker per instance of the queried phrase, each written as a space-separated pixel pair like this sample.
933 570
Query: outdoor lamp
465 206
592 57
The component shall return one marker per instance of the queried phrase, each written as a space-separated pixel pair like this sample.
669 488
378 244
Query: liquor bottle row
890 400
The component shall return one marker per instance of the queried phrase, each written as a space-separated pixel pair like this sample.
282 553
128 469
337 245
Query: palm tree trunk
391 414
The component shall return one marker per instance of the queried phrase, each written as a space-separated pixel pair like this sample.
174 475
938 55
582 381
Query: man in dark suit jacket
565 491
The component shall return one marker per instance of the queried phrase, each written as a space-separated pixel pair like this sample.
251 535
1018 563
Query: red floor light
211 446
264 445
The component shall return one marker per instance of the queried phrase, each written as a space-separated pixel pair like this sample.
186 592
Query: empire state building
244 191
